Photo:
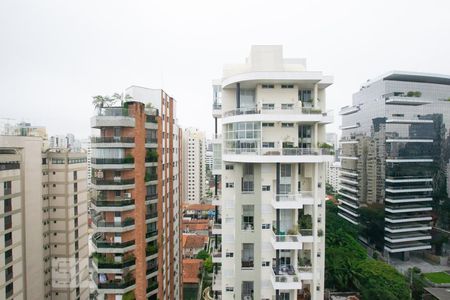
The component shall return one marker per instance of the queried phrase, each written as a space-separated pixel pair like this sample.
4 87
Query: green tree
203 254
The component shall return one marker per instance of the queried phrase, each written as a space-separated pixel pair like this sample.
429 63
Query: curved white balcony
217 110
273 155
292 201
290 115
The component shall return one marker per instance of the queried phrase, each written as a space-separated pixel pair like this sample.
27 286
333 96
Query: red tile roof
194 241
191 269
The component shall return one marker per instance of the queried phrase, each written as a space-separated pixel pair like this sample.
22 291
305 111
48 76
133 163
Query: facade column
316 92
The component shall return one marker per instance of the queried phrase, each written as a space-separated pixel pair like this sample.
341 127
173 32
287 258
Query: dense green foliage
372 225
203 254
348 268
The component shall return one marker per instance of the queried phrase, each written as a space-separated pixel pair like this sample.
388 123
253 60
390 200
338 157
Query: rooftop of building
195 227
194 241
199 207
408 76
267 63
191 269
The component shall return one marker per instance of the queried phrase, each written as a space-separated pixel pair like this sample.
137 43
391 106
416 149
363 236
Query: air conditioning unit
127 195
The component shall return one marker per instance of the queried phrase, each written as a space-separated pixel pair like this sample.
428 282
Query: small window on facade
268 86
268 124
287 86
287 125
265 226
266 188
230 185
229 167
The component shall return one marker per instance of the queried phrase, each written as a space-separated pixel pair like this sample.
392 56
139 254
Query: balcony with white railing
217 110
217 229
216 200
274 155
285 277
217 255
217 281
286 242
292 201
286 112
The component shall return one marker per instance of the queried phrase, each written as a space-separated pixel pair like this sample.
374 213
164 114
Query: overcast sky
55 55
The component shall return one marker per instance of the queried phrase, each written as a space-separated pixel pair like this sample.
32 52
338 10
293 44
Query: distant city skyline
53 63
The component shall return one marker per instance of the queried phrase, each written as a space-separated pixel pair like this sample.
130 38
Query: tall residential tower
272 166
194 173
136 180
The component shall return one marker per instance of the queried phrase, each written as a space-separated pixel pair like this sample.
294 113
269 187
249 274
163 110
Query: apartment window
229 254
117 131
267 86
268 106
287 86
285 170
8 222
229 289
8 239
266 188
75 187
229 185
305 95
7 205
9 290
265 226
8 256
268 124
247 259
7 188
268 144
287 125
247 179
229 167
75 175
266 264
247 217
287 106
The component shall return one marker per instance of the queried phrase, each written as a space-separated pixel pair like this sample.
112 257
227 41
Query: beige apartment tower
194 174
44 226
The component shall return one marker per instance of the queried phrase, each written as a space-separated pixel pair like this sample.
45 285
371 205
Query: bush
203 254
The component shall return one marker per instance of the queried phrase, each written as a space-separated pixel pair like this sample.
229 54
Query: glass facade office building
395 160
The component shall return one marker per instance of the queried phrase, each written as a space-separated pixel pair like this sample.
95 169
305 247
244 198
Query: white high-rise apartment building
272 169
194 152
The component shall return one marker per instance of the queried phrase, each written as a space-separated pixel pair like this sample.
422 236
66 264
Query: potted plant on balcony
129 159
292 231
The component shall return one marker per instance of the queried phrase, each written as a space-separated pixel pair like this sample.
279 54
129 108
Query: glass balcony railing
112 139
112 203
104 262
103 223
280 151
113 112
115 284
100 242
112 161
98 181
